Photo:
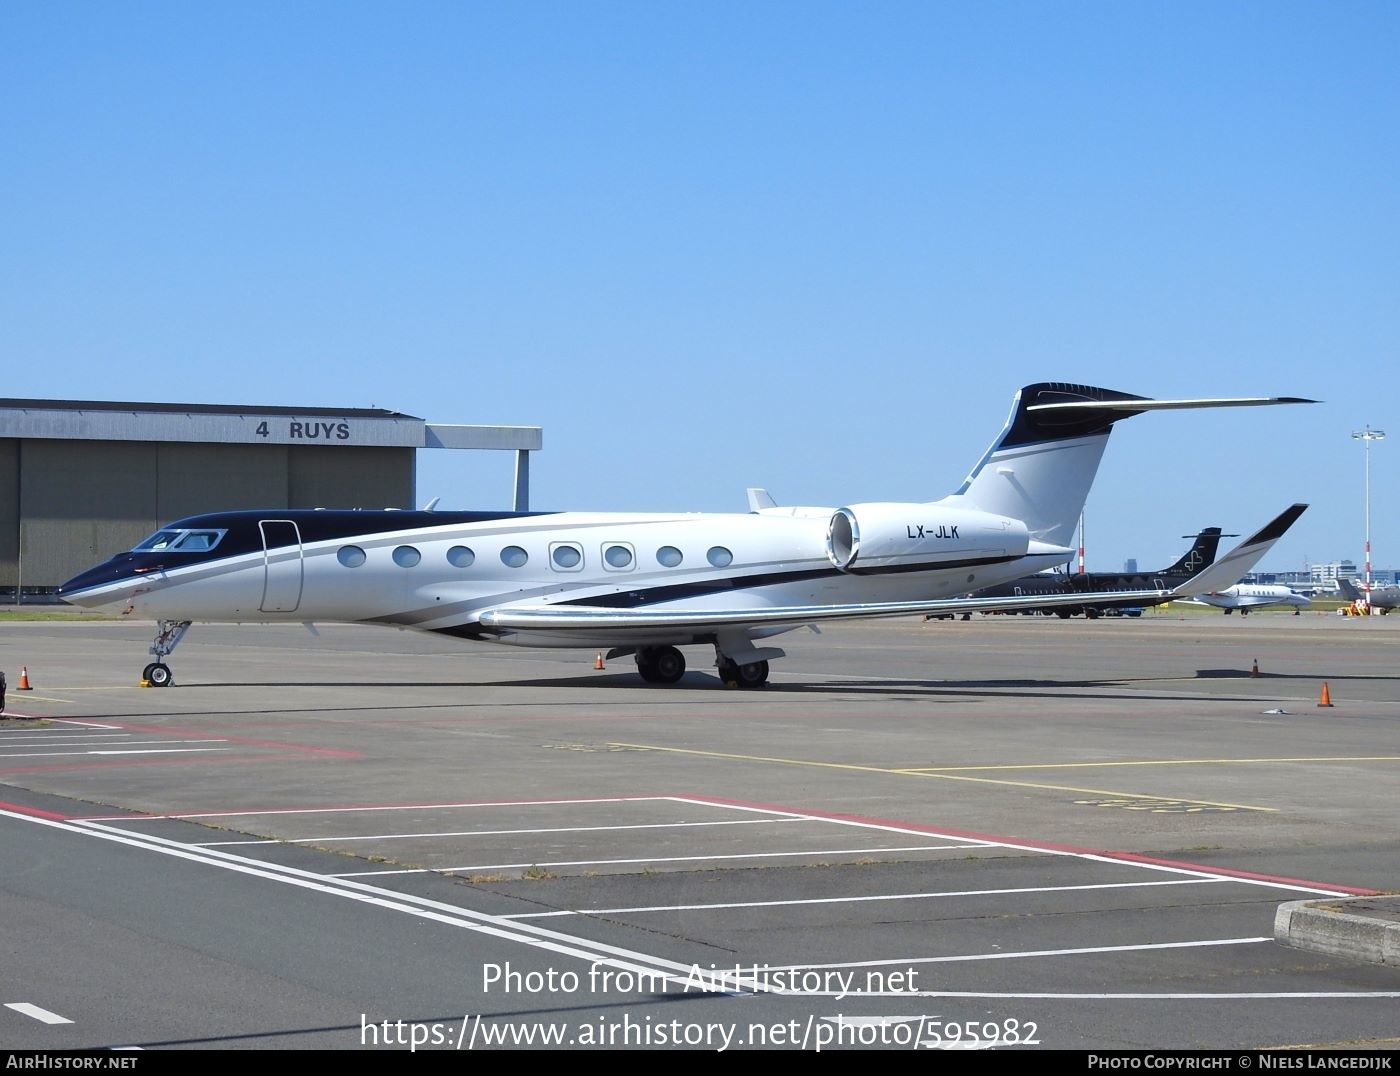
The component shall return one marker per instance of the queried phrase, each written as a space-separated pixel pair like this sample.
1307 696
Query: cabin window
352 556
668 556
512 556
719 556
405 556
567 556
618 557
459 556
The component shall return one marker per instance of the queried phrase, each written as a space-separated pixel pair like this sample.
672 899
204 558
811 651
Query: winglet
1229 569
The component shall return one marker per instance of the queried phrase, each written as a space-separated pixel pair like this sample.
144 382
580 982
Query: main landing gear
754 674
168 636
666 665
660 664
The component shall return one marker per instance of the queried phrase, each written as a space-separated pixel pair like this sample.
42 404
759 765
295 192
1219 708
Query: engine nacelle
893 537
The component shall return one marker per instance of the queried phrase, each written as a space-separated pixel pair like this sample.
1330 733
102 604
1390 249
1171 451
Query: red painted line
1133 857
35 812
1022 842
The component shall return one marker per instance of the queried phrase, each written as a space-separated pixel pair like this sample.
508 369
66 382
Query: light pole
1366 436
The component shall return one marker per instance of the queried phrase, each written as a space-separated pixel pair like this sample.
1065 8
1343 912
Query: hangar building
82 480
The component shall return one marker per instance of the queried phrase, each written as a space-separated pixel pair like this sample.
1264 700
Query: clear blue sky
809 246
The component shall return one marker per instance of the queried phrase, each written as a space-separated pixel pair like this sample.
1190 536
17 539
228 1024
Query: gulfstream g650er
646 584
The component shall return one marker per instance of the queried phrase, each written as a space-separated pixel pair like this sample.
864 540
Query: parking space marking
513 928
731 905
653 860
356 808
503 832
92 745
122 751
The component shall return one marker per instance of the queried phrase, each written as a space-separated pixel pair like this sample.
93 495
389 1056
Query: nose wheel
157 674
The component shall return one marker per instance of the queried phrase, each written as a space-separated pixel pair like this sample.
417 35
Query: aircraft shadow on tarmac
621 684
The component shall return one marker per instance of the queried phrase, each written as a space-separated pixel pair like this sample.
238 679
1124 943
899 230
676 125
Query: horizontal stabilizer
1137 405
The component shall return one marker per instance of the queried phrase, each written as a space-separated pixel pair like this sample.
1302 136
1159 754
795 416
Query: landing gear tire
660 665
752 675
157 674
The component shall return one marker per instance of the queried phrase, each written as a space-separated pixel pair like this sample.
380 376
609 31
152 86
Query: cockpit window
196 540
159 540
191 541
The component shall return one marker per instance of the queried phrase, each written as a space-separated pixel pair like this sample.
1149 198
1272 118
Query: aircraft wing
567 618
555 618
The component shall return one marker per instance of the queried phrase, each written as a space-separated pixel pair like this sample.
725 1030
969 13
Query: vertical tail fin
1041 467
1201 555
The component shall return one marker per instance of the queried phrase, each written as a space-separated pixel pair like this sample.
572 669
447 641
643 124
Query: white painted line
413 807
978 957
1068 853
866 824
37 1013
863 900
447 914
586 949
64 736
150 751
85 724
111 741
859 823
505 832
658 859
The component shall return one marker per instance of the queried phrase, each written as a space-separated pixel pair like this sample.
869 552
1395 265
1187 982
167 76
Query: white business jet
646 584
1247 596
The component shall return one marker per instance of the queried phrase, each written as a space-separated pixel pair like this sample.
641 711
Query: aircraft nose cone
91 588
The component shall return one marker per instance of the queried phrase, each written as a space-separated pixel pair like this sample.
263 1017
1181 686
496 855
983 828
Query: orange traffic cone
599 663
1326 699
24 679
1256 668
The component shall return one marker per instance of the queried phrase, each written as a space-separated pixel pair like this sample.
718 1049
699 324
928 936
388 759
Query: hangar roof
111 420
193 409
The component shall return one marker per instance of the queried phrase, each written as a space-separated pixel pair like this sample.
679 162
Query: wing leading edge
1223 573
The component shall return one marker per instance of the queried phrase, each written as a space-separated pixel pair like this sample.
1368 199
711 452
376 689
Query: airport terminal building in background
82 480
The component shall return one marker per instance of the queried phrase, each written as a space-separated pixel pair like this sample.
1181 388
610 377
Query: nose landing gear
168 636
